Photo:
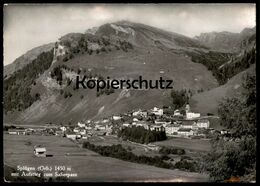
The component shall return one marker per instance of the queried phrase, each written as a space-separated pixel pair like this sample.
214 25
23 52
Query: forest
17 88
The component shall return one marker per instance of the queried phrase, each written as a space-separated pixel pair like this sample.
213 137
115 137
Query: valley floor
89 166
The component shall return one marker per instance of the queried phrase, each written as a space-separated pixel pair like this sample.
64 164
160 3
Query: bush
67 94
186 165
170 150
65 59
90 51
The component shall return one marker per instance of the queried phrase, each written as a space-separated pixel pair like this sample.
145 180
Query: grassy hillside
207 102
84 104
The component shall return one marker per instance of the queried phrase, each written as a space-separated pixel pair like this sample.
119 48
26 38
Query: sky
29 26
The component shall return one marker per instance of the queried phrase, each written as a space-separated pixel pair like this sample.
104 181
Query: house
203 123
76 129
152 147
136 113
126 125
71 135
171 129
116 118
39 151
81 125
84 137
16 131
78 136
59 133
175 128
28 131
13 132
177 113
223 132
140 113
108 130
161 122
82 131
185 132
135 119
63 128
157 127
157 111
187 124
192 115
100 127
142 124
88 127
105 121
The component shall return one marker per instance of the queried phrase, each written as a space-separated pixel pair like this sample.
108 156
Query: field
18 150
188 144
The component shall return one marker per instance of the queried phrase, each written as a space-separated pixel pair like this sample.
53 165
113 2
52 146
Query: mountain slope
207 102
25 59
121 50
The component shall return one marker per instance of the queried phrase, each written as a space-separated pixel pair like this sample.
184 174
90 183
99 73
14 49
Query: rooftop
184 130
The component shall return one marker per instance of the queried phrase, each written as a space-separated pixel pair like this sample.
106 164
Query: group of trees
17 88
187 165
236 157
117 151
57 74
81 45
67 94
236 66
214 60
106 91
141 135
179 98
125 45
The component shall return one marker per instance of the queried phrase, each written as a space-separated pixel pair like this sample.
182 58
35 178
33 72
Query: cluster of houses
177 124
88 129
192 125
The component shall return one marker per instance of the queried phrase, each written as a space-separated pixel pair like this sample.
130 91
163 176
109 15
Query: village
183 125
187 134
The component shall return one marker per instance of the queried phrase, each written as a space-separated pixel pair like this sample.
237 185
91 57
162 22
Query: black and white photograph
106 92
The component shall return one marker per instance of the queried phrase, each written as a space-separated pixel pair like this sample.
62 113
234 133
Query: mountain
226 41
25 59
120 50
